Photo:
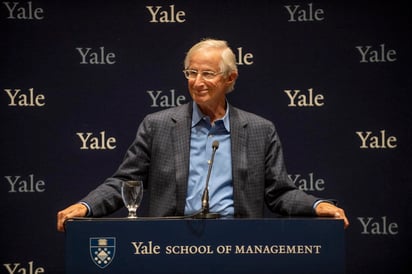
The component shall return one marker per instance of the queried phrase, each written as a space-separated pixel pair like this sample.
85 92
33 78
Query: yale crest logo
102 250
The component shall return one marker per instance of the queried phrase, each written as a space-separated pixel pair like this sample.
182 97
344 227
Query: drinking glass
132 194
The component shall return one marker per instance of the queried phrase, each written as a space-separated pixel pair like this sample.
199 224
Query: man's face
208 92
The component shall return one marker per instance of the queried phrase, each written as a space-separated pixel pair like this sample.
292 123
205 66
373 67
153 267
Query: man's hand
325 209
76 210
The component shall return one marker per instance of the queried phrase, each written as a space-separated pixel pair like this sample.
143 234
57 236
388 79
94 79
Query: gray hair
227 64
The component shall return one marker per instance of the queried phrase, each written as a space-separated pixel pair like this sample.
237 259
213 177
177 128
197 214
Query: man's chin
201 98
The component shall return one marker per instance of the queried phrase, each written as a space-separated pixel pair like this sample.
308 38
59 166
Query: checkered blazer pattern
160 153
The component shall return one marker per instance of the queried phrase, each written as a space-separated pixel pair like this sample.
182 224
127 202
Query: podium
147 245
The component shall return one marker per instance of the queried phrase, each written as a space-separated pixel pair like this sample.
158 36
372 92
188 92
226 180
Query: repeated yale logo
373 54
29 98
308 182
304 13
378 226
381 140
23 11
30 184
163 99
91 141
102 250
160 14
29 268
100 56
298 98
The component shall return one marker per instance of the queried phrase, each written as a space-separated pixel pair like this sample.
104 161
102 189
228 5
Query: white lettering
142 249
96 142
25 186
380 55
246 59
20 12
299 14
25 99
304 100
188 249
379 141
16 268
166 16
159 99
308 184
99 57
377 227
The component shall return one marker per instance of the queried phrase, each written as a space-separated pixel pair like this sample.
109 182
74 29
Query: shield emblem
102 250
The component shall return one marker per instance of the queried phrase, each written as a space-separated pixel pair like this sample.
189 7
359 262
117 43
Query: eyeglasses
191 74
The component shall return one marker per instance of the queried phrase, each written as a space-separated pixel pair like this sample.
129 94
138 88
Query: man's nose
199 79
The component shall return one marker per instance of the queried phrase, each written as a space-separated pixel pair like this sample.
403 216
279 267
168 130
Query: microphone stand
204 213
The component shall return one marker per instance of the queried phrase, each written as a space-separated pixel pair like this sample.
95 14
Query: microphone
204 213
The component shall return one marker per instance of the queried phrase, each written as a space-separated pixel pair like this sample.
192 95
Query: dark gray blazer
160 153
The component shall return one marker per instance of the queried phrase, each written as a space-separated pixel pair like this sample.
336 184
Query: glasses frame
206 74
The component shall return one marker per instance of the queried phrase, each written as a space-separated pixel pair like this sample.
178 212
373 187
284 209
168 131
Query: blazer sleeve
281 194
106 198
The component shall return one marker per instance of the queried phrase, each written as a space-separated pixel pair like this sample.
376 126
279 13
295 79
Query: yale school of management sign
181 245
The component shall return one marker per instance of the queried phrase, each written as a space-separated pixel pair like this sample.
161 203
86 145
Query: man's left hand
325 209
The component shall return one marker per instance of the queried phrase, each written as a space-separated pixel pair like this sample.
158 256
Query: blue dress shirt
203 134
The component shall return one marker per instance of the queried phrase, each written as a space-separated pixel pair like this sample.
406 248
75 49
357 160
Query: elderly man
173 148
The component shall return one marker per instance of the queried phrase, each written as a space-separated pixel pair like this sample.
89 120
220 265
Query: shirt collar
197 116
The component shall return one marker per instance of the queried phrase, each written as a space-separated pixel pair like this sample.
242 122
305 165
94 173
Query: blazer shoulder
174 113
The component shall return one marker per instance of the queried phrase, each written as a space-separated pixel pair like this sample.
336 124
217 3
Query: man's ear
232 77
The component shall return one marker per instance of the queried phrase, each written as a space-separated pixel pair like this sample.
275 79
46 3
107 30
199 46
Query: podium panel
313 245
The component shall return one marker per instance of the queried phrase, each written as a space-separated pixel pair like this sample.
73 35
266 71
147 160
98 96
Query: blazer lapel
238 135
181 148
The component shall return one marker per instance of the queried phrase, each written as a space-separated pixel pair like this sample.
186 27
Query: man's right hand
76 210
